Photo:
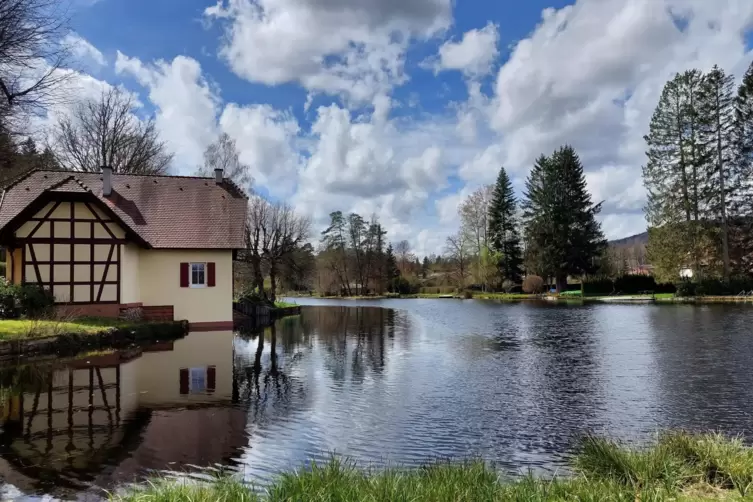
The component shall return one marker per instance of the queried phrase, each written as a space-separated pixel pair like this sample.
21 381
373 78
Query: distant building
104 242
642 270
686 273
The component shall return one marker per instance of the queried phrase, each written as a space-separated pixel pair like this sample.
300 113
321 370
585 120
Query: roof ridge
237 188
18 179
83 185
66 180
144 175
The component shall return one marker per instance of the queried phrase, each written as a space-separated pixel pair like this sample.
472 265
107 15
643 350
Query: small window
198 275
198 379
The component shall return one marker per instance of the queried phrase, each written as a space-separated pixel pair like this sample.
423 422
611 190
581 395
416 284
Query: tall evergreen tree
392 271
561 227
335 241
744 162
723 178
675 171
503 229
534 221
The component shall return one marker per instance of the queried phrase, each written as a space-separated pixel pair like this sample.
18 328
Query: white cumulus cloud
351 48
474 54
82 50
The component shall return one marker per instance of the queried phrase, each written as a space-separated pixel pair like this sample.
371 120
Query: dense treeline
552 232
355 258
699 179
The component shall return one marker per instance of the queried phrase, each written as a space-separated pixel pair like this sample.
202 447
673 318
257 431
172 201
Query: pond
382 382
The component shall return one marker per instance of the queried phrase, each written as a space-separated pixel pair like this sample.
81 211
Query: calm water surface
383 382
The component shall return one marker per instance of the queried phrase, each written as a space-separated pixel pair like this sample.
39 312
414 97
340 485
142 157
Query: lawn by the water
13 329
678 467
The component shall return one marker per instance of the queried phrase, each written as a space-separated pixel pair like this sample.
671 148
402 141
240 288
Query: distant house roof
163 211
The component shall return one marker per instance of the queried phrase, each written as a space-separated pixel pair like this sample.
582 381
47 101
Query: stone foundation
114 310
88 310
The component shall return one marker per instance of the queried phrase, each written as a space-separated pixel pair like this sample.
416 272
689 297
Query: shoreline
71 343
626 299
677 466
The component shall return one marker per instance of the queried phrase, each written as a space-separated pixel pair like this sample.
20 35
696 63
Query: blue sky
402 108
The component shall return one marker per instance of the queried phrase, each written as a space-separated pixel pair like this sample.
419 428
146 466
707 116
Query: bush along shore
677 467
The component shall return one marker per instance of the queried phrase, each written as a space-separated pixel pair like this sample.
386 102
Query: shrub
251 295
8 296
597 287
632 284
714 287
402 286
437 290
468 294
35 301
507 286
533 284
28 300
685 288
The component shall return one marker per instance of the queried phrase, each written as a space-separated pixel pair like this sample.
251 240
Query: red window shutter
184 380
211 378
184 275
210 274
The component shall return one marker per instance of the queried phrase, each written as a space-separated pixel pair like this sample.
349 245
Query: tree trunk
258 277
561 283
722 190
272 282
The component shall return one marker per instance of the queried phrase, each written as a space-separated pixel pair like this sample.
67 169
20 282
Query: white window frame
190 275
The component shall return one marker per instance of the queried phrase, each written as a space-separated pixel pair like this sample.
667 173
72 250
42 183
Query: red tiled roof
165 211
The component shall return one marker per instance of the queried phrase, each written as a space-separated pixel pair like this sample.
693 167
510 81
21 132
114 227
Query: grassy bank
284 305
678 467
14 329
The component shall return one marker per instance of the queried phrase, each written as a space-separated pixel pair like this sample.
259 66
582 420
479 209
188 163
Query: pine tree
503 230
425 267
535 222
744 161
674 173
393 272
334 239
717 117
561 227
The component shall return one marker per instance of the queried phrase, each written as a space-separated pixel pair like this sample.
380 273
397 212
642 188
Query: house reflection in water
106 418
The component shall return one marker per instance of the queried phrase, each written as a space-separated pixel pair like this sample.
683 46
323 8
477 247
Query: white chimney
106 181
218 176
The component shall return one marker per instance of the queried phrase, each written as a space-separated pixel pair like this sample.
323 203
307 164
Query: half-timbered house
104 242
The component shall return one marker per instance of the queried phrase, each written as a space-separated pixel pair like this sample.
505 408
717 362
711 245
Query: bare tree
30 54
273 232
474 217
223 154
258 209
282 232
457 249
474 225
404 256
106 132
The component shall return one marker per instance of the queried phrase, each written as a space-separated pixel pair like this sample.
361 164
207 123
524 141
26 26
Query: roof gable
163 211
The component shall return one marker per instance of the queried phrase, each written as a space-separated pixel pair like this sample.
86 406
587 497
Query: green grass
677 467
12 329
664 296
284 305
